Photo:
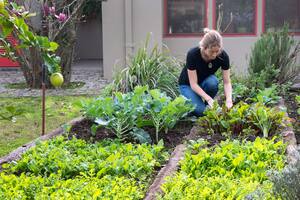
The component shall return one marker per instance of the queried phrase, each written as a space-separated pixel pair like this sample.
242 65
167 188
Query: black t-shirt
194 61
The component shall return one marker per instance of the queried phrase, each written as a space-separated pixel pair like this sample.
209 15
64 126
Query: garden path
88 72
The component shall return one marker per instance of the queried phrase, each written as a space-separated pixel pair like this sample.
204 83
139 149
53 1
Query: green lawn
27 126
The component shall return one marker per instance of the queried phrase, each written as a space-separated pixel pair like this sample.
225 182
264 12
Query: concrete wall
126 24
113 35
34 6
147 18
89 40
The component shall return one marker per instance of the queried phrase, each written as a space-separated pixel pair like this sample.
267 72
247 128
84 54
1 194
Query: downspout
128 28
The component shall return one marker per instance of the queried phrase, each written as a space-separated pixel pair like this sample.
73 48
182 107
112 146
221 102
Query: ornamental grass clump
154 68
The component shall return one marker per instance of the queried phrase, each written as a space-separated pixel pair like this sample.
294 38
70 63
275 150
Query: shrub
273 58
287 182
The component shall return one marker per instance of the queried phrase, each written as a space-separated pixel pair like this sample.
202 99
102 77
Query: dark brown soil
82 130
175 136
292 107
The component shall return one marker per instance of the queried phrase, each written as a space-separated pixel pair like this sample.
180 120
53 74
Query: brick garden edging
167 170
16 154
289 138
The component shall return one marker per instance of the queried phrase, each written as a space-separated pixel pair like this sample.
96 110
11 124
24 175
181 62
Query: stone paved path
91 76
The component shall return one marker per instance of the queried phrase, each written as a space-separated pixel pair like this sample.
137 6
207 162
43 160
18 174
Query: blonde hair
210 39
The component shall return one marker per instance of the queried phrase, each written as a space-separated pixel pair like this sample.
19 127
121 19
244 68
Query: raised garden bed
44 164
66 168
82 129
178 183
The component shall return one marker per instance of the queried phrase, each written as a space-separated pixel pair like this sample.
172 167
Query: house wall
126 24
125 27
238 47
113 35
89 40
147 18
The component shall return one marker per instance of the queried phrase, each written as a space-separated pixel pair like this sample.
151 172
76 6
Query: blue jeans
209 85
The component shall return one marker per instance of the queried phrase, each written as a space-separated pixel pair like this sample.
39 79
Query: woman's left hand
229 104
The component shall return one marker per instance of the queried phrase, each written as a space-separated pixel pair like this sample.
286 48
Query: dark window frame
264 20
174 35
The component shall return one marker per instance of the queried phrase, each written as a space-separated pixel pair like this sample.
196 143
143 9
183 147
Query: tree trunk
36 64
66 41
31 65
31 60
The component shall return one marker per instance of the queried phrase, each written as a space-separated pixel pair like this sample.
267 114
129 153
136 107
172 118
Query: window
235 16
279 12
185 16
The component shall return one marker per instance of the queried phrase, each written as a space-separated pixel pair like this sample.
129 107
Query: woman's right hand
210 102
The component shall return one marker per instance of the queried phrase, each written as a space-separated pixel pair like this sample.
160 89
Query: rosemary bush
287 182
273 58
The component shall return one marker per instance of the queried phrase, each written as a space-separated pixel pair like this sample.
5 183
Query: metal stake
43 98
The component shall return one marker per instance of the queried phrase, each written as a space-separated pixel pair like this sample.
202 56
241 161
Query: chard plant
267 96
223 121
266 119
242 119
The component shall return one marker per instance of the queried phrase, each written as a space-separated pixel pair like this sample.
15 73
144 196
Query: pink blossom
61 17
52 10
